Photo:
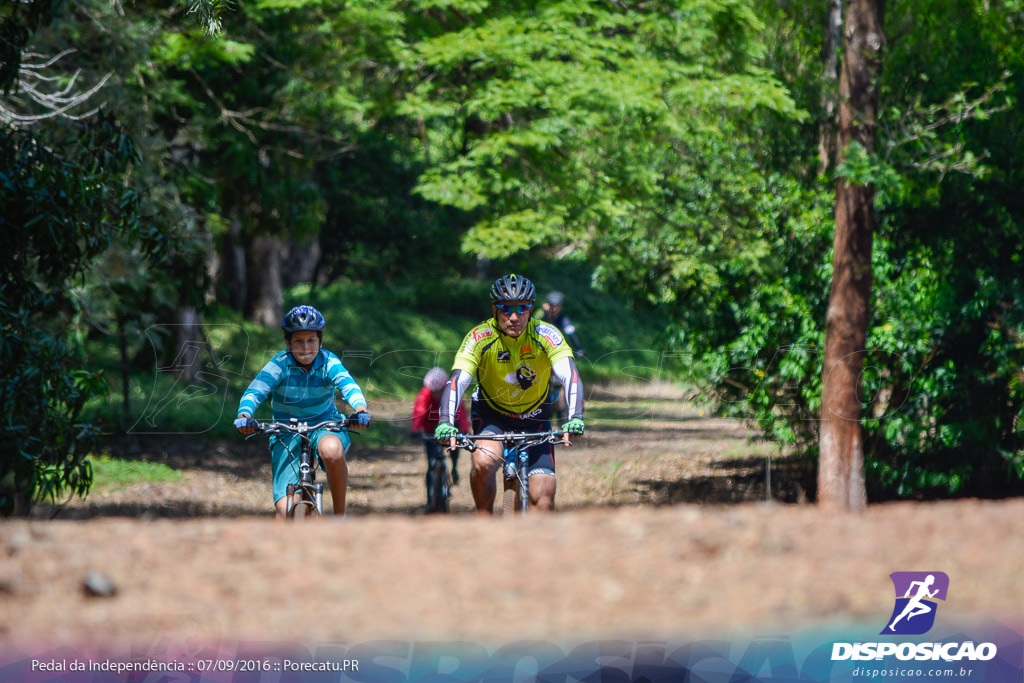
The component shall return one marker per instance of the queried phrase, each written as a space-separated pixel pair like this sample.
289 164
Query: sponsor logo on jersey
525 376
504 356
476 336
551 333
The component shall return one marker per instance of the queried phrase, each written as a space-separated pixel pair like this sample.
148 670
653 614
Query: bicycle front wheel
510 502
304 504
439 486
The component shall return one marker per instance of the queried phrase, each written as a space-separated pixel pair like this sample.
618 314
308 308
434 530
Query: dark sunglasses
509 309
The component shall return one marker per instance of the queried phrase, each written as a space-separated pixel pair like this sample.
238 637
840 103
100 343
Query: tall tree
841 446
830 74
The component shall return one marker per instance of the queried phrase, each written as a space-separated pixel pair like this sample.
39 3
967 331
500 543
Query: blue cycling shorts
285 450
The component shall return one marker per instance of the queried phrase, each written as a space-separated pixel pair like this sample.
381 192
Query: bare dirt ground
663 531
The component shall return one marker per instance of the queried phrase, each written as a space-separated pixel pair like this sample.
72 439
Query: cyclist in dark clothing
554 314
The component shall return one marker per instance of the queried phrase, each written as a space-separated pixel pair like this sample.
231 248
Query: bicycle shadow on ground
792 480
236 458
146 511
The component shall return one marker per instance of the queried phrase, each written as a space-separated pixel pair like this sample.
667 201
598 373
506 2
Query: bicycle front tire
510 501
438 486
305 506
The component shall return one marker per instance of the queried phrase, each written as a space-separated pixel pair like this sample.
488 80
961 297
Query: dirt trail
201 560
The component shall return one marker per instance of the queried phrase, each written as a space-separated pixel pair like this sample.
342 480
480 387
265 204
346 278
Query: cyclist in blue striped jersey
301 381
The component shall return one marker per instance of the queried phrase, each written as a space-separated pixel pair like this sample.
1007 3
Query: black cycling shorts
541 458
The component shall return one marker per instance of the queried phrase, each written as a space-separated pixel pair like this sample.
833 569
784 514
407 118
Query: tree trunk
233 266
829 96
301 261
841 463
189 338
122 347
264 301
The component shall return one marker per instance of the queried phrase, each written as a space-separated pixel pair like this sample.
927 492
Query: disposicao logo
916 595
914 614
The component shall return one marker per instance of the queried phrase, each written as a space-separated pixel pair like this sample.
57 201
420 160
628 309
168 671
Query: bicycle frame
515 461
310 500
311 493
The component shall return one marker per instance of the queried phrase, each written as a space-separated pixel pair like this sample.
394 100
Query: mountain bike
439 481
515 467
305 499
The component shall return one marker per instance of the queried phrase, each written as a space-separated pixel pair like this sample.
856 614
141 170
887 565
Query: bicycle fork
310 493
317 501
517 475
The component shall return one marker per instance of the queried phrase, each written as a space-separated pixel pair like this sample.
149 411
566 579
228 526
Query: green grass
111 473
387 334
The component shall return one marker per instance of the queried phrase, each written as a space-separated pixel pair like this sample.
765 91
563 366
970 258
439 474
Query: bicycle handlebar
468 441
303 427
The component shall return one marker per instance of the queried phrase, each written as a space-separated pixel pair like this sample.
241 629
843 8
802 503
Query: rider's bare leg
333 454
542 492
486 460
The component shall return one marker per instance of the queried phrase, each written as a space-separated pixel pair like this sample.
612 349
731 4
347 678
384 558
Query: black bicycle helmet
555 298
303 318
512 288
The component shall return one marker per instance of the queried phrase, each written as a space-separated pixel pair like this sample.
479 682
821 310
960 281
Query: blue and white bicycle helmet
303 318
512 288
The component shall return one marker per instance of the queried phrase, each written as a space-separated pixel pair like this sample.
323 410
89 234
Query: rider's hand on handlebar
361 419
573 427
446 432
246 425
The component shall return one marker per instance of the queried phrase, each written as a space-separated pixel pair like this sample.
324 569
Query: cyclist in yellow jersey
512 357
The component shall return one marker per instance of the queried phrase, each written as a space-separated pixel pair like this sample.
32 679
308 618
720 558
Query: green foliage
941 384
112 472
57 213
74 191
563 121
858 167
684 169
671 146
18 22
209 12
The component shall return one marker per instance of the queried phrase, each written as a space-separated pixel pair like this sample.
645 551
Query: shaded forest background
167 167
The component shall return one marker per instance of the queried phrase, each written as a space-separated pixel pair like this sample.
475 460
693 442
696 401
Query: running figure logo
914 612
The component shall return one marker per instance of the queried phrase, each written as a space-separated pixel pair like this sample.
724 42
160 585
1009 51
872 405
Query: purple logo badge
916 593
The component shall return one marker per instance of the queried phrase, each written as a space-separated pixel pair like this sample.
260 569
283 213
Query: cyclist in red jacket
426 413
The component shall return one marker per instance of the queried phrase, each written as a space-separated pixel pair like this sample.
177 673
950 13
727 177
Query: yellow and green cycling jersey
512 373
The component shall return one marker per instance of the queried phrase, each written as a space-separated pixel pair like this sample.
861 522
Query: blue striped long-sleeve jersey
294 393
